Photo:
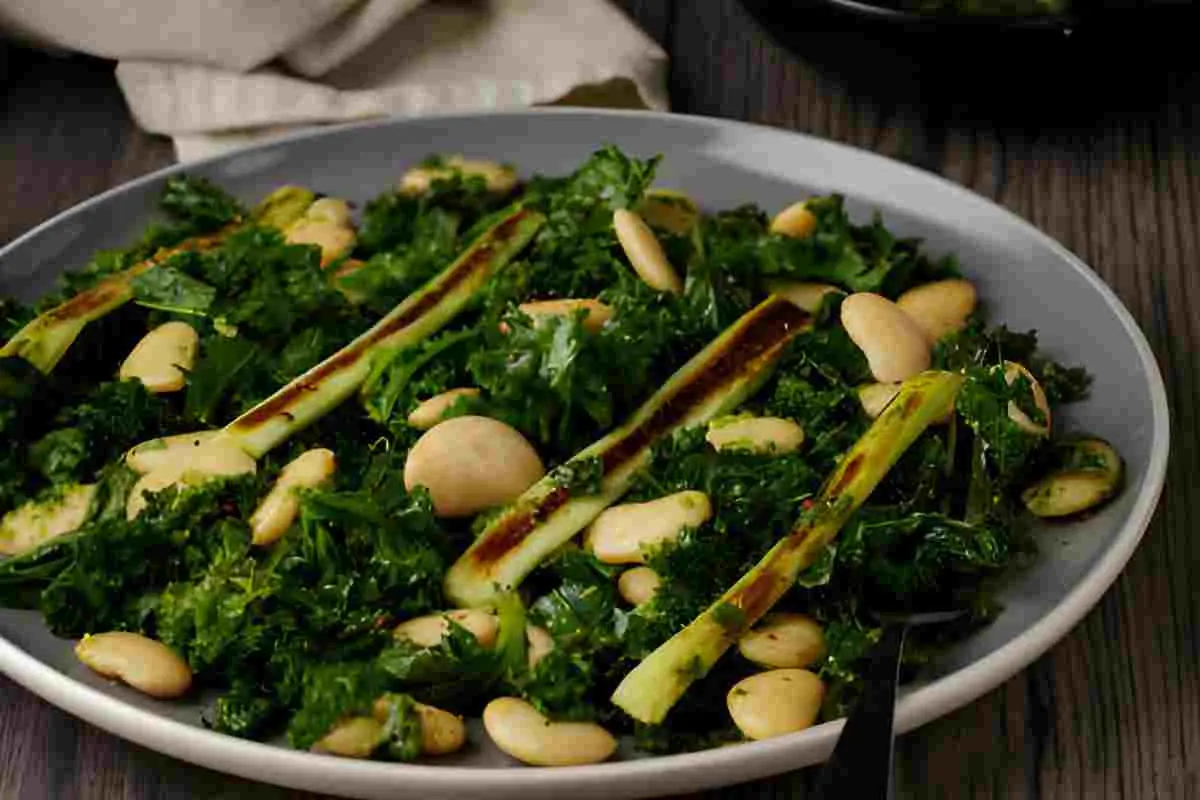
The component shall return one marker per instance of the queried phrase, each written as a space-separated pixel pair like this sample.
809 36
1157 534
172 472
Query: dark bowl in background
1111 56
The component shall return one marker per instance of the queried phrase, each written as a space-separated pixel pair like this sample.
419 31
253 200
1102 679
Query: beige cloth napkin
217 74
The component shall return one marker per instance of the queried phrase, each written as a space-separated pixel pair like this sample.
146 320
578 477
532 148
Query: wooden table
1113 711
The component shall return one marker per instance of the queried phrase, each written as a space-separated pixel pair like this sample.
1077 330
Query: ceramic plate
1027 279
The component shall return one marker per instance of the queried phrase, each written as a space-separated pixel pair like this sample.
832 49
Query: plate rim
674 773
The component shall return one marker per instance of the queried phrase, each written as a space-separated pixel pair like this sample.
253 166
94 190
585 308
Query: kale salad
568 453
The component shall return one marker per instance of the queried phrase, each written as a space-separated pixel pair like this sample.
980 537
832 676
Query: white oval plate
1027 279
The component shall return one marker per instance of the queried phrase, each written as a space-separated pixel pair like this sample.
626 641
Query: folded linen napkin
222 73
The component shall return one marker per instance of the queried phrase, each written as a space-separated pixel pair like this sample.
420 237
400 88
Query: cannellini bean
1011 371
638 585
326 223
359 736
795 221
670 210
162 358
430 412
329 209
940 307
622 534
645 254
597 313
808 296
775 703
442 733
1070 492
156 453
784 640
498 178
428 631
355 737
895 347
215 458
278 510
472 463
38 521
143 663
756 434
875 397
522 732
538 642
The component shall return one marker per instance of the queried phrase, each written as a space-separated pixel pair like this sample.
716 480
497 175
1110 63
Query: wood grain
1109 167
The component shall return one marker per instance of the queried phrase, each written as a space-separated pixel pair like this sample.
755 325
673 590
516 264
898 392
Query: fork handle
861 764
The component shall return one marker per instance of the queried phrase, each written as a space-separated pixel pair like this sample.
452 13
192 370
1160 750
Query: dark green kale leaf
756 498
392 274
581 614
215 621
918 560
168 289
457 674
983 405
199 202
226 365
396 222
576 252
332 692
107 575
193 206
111 418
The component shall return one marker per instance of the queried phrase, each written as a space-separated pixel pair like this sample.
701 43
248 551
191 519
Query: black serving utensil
861 766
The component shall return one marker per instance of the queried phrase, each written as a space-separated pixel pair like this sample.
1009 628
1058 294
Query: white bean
755 434
162 358
1011 371
441 732
278 510
784 640
670 210
472 463
156 453
875 397
143 663
645 254
522 732
795 221
37 521
215 458
776 703
597 313
638 585
354 737
428 631
808 296
940 307
895 347
539 644
498 178
326 224
623 534
430 412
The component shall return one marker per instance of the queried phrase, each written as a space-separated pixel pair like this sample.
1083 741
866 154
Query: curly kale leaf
332 692
756 498
576 253
110 419
978 345
199 202
918 559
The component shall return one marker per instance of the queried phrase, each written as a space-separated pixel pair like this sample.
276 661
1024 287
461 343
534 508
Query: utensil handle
861 764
